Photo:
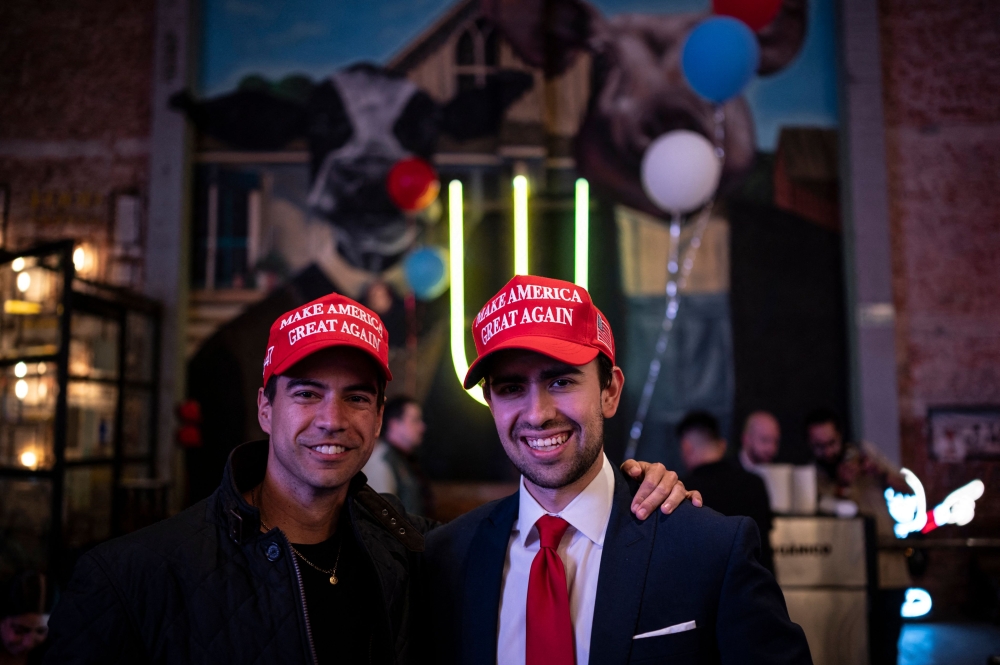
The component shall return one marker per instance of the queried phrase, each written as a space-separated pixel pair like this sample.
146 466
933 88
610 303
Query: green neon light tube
456 246
520 225
582 235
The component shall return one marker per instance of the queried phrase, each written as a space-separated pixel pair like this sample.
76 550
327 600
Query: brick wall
74 112
942 111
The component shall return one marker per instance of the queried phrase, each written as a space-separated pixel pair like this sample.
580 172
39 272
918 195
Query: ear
781 40
544 33
612 395
329 127
245 119
263 411
478 112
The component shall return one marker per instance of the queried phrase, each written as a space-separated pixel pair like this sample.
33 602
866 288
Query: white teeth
549 443
330 450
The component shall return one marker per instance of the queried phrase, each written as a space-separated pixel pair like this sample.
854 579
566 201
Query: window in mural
477 54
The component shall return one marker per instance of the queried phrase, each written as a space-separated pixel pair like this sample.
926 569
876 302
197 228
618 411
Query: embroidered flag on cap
550 316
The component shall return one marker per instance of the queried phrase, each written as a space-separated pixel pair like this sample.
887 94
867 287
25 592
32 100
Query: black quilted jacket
207 586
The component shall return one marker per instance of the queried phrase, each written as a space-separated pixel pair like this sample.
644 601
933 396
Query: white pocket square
678 628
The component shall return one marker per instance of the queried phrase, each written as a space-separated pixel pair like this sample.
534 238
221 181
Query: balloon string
674 286
675 282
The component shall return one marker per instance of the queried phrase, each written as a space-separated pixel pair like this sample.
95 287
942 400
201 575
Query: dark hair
605 371
29 593
395 408
702 422
821 416
271 388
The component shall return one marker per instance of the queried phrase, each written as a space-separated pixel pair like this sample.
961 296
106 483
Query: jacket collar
483 579
628 546
244 471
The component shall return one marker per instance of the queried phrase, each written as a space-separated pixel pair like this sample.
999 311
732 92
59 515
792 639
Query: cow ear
479 111
418 125
329 126
246 119
781 40
544 33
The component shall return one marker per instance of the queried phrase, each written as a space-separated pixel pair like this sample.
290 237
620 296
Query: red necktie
549 629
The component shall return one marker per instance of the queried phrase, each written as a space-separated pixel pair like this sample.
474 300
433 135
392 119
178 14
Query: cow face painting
638 90
358 124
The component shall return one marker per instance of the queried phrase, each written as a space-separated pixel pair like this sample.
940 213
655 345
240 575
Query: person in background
761 437
860 473
24 618
393 467
724 484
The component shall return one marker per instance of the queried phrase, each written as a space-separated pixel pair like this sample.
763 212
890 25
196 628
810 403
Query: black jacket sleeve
91 624
753 624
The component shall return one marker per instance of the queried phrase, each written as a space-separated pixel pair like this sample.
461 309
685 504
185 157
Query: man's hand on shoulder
660 488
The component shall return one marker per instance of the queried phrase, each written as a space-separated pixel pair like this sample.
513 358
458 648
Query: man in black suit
726 486
561 573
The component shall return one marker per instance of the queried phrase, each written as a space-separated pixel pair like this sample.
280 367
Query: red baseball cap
332 320
550 316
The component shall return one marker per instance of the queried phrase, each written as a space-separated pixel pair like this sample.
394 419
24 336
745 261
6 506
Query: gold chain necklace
265 528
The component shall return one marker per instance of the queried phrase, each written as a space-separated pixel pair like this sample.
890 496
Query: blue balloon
720 57
427 272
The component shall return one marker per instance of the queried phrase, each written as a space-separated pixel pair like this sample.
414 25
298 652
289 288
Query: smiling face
550 416
323 421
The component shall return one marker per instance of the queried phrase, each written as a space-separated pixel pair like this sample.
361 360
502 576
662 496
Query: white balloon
680 171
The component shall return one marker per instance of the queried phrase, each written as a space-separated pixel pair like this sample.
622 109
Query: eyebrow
312 383
561 369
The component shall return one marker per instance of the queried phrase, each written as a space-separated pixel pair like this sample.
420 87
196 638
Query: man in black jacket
293 559
726 486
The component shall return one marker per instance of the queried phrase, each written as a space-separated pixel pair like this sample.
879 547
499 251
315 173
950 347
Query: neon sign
910 510
456 247
916 603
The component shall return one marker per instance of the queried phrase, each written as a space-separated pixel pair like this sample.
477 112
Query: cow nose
412 184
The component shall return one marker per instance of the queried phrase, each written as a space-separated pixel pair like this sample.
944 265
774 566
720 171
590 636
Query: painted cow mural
358 123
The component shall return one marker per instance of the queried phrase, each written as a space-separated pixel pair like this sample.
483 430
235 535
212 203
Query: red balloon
755 13
413 184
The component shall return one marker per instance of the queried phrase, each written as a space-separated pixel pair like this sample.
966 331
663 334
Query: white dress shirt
377 470
580 550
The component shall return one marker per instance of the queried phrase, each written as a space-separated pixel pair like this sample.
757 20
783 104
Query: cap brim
570 353
309 349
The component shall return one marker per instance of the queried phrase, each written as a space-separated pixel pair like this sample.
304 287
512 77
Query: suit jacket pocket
676 649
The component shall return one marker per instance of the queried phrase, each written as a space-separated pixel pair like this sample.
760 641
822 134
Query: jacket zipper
302 595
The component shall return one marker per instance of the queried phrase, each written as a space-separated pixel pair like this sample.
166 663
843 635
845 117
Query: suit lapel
483 579
628 544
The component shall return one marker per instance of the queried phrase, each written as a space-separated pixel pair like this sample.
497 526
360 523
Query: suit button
273 551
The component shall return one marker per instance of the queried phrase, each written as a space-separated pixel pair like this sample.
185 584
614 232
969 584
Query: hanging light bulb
21 389
29 459
20 370
23 282
17 265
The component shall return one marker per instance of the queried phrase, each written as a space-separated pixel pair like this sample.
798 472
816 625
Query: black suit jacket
732 490
692 565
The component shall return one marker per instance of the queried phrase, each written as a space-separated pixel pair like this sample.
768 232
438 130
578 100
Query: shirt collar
589 512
